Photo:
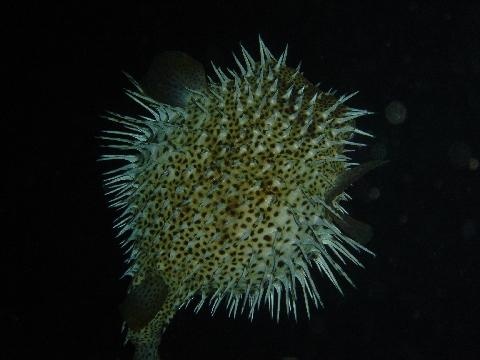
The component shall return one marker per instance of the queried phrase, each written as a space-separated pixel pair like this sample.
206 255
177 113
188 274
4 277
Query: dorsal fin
170 76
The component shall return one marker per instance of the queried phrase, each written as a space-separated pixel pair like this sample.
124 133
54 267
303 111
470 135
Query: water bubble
460 155
403 219
473 164
396 113
379 151
469 229
374 193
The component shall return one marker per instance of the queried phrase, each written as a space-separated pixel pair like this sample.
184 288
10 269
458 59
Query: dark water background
418 299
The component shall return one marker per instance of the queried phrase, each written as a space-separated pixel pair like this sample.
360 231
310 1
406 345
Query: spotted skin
224 198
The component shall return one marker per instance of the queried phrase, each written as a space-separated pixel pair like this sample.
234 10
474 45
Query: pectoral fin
355 229
170 76
347 178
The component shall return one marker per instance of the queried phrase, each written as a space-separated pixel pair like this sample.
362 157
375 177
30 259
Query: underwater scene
242 180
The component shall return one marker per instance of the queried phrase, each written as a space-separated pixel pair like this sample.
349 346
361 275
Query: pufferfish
230 190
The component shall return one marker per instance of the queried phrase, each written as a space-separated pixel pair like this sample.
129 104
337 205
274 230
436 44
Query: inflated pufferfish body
231 191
